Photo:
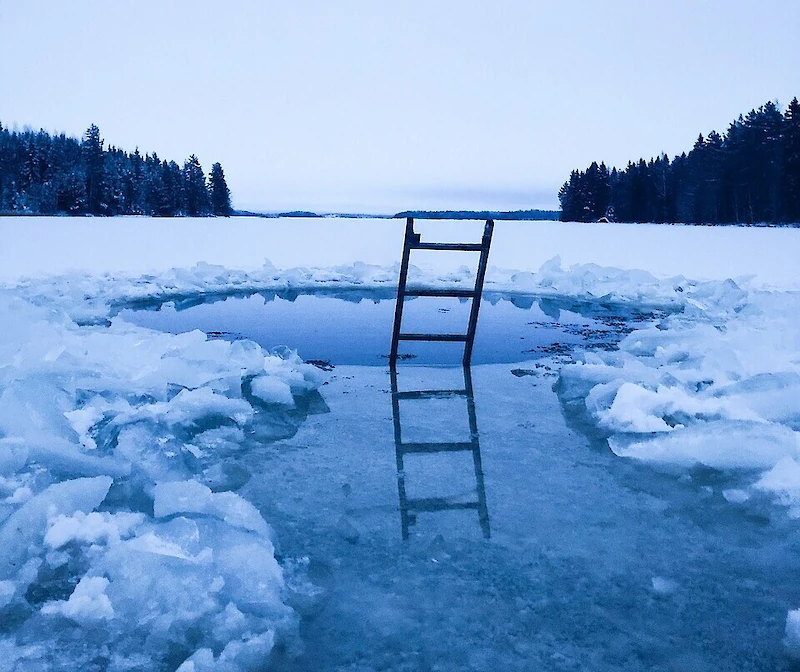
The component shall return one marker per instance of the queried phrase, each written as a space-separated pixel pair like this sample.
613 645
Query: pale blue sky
377 106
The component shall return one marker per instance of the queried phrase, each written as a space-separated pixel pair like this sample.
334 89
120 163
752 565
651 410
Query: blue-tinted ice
592 562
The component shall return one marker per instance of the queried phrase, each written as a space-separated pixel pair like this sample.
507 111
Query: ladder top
413 239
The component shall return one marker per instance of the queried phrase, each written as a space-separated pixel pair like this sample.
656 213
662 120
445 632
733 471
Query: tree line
47 174
751 174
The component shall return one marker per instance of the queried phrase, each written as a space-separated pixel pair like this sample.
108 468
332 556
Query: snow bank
121 543
95 299
125 244
714 385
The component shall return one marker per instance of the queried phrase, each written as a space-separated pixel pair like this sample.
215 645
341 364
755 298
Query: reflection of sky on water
352 327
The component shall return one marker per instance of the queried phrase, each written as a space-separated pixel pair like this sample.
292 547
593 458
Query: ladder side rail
480 487
405 521
476 302
409 239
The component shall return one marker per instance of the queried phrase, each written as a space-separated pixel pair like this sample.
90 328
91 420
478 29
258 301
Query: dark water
355 327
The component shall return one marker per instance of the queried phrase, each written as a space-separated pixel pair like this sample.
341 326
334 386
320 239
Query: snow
110 246
792 640
120 446
88 601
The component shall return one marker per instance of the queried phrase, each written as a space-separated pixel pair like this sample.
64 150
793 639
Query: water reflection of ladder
412 242
409 506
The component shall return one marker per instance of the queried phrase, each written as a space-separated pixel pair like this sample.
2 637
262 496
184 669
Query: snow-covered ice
133 534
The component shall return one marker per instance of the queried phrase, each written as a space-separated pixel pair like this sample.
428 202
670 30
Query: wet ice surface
641 560
354 327
593 562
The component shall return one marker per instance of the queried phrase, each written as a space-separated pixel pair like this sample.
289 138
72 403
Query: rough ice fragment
23 533
88 601
193 497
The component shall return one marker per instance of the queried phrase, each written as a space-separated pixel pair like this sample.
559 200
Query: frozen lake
592 562
177 490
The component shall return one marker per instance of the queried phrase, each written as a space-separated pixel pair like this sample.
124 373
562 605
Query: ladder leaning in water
413 241
411 506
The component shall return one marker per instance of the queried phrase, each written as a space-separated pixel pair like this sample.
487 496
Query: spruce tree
791 161
195 191
95 175
220 194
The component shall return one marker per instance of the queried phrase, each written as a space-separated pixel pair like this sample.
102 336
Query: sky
379 107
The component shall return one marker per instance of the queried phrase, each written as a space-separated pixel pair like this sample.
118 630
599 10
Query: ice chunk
663 586
792 639
721 444
638 409
91 528
13 455
195 583
33 408
225 476
219 442
201 660
192 497
88 602
66 458
736 495
271 390
783 481
19 496
6 592
189 407
23 533
248 653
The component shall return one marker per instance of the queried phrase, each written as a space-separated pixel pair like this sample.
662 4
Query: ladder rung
442 447
465 293
430 394
438 504
463 247
432 337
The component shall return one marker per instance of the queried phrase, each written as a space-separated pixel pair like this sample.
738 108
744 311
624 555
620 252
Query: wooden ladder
412 242
411 506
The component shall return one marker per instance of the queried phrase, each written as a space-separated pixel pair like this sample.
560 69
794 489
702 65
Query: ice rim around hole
118 510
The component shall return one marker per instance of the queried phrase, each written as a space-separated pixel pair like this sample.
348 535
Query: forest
748 175
43 174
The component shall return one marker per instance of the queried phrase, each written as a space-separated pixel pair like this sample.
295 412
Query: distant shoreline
517 215
465 215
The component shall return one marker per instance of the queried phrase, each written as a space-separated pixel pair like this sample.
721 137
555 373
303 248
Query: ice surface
106 433
120 448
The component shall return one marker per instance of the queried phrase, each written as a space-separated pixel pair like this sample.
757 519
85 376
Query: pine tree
196 201
791 162
220 194
95 175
